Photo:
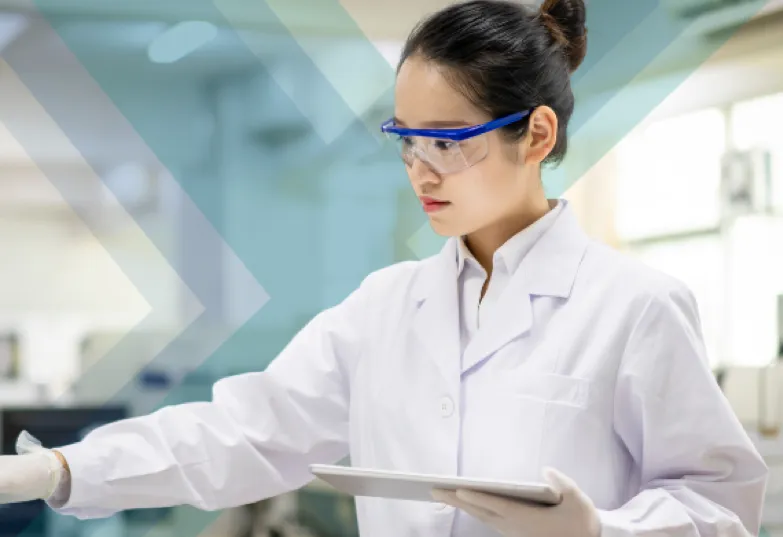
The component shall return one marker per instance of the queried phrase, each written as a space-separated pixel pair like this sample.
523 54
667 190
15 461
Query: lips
432 204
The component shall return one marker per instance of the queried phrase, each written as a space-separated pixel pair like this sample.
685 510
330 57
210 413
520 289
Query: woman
524 350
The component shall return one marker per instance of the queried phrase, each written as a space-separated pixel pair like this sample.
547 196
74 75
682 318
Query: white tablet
406 486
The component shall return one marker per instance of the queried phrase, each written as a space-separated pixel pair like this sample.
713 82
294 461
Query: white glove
33 474
575 516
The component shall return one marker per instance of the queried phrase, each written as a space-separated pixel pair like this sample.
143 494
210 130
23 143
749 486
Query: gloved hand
575 516
33 474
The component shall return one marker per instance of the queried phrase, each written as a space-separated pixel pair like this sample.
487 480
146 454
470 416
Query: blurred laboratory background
183 184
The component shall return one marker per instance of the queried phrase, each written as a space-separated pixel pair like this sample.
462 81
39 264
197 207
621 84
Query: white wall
57 266
58 284
58 281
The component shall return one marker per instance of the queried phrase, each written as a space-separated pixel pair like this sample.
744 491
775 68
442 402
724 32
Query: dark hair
506 57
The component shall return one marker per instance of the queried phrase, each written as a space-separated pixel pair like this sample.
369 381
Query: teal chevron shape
352 65
307 219
66 99
66 106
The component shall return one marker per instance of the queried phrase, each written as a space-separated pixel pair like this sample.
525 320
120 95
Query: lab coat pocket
568 411
550 388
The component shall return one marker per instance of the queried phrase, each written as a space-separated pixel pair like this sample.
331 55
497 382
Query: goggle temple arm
454 134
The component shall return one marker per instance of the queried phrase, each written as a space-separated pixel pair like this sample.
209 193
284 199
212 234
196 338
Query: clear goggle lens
441 155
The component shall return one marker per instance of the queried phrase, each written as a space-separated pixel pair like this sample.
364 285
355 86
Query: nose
422 173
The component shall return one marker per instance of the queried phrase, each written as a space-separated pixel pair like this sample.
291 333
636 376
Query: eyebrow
436 124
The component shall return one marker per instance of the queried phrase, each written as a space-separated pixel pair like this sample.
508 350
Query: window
756 278
757 260
669 176
668 189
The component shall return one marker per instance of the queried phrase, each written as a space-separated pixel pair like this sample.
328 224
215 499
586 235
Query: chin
445 230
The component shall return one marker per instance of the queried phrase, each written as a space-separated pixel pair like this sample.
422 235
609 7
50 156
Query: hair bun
566 21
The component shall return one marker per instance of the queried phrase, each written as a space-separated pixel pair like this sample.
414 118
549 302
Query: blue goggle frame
456 135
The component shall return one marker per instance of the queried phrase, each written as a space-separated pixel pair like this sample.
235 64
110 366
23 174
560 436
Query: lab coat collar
551 265
516 248
549 269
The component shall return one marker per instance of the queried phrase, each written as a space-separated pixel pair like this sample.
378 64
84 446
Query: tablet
418 487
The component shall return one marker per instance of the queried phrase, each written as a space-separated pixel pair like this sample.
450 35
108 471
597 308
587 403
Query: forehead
423 95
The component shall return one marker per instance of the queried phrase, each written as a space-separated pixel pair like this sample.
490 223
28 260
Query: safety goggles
446 150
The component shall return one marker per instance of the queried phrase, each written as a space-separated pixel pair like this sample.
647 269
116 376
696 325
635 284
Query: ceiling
117 34
120 32
378 19
50 42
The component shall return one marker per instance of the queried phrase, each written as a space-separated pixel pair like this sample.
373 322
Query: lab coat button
446 407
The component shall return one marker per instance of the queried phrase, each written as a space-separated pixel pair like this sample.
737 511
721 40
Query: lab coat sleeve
700 474
255 439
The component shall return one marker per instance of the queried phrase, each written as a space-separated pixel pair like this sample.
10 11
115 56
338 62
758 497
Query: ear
541 136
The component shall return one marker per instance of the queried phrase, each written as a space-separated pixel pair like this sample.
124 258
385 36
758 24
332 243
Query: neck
485 242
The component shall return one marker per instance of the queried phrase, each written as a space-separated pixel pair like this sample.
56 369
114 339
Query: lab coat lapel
549 269
436 321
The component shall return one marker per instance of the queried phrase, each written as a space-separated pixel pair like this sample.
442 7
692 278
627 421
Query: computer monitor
53 427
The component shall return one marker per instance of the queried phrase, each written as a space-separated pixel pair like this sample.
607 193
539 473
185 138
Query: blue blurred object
156 380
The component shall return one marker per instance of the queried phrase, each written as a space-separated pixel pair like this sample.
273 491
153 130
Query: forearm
189 454
232 451
679 512
701 474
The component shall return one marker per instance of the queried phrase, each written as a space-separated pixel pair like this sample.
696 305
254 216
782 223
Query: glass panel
669 176
757 278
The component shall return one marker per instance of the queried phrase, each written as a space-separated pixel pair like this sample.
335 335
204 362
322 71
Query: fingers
452 498
567 487
488 502
501 506
444 496
559 480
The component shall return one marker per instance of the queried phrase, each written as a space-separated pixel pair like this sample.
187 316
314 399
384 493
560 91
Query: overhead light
129 183
11 26
180 40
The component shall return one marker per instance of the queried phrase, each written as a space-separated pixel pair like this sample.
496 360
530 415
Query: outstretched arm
255 439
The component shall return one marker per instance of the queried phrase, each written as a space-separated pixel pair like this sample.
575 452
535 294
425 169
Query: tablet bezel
537 493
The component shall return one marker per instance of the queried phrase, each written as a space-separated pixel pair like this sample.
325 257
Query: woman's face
495 189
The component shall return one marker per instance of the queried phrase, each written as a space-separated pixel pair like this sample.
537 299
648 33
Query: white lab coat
592 363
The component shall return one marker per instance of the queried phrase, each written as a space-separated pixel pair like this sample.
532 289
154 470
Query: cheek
485 185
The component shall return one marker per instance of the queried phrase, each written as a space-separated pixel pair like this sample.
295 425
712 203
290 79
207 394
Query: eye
444 145
405 140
